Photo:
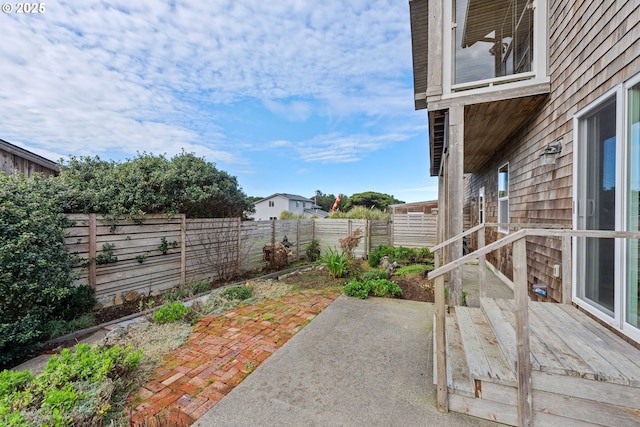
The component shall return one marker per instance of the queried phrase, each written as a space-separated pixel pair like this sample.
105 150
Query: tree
371 199
151 184
326 201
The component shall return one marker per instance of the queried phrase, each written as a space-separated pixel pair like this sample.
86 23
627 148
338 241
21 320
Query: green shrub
239 293
357 289
75 388
337 263
36 268
378 287
171 312
375 274
313 251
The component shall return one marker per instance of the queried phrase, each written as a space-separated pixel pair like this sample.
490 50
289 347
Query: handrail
456 238
495 224
529 232
521 297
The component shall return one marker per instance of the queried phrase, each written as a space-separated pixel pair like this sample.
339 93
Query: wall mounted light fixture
550 153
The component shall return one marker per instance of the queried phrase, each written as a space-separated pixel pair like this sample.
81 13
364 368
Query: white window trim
482 218
504 230
540 73
618 321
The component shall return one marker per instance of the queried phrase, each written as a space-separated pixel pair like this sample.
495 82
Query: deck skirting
582 373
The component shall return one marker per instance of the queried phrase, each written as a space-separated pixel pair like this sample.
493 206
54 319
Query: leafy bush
377 287
75 388
35 265
150 184
375 274
171 313
290 215
337 263
239 293
313 251
357 289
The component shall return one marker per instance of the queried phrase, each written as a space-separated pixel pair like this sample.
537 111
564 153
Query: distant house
14 159
271 207
428 207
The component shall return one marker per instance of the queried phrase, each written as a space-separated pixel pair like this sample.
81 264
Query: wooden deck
582 373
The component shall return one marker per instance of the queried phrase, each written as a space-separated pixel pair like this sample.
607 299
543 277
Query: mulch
221 351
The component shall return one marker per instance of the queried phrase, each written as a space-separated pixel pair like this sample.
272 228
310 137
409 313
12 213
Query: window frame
539 66
504 230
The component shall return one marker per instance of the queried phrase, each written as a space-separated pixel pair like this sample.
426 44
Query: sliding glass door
597 205
607 197
633 206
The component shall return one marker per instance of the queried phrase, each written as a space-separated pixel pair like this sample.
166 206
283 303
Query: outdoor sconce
551 151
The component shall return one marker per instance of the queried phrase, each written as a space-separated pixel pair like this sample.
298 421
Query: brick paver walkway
220 352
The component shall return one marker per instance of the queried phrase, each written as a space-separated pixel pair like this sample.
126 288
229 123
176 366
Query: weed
268 317
106 257
239 293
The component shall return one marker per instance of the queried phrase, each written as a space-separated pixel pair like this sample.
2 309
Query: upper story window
271 203
503 197
492 40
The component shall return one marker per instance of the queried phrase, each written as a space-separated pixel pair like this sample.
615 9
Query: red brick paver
220 352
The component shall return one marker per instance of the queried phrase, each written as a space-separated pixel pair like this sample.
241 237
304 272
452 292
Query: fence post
239 243
566 269
521 312
92 250
183 249
482 265
298 239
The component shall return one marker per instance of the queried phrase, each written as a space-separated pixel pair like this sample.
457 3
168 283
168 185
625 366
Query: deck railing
521 295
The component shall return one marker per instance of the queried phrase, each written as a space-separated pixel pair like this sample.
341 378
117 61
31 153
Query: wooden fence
161 253
414 230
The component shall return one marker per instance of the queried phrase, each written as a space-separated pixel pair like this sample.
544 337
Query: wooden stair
582 373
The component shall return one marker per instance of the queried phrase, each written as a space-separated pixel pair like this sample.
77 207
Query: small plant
349 243
200 286
337 263
140 258
106 257
375 274
357 289
165 245
171 313
75 388
238 293
377 287
313 251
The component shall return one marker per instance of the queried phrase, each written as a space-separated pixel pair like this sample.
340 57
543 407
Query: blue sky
288 96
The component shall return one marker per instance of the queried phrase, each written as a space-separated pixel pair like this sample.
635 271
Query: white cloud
91 77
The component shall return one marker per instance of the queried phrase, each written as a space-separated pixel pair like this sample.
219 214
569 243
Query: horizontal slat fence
414 230
162 252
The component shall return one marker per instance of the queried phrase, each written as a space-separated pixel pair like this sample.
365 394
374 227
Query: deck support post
566 269
521 312
455 208
482 265
441 351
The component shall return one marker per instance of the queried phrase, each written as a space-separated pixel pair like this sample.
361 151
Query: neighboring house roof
317 212
287 196
29 156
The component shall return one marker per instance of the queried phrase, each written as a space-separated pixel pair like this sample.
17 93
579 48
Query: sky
288 96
